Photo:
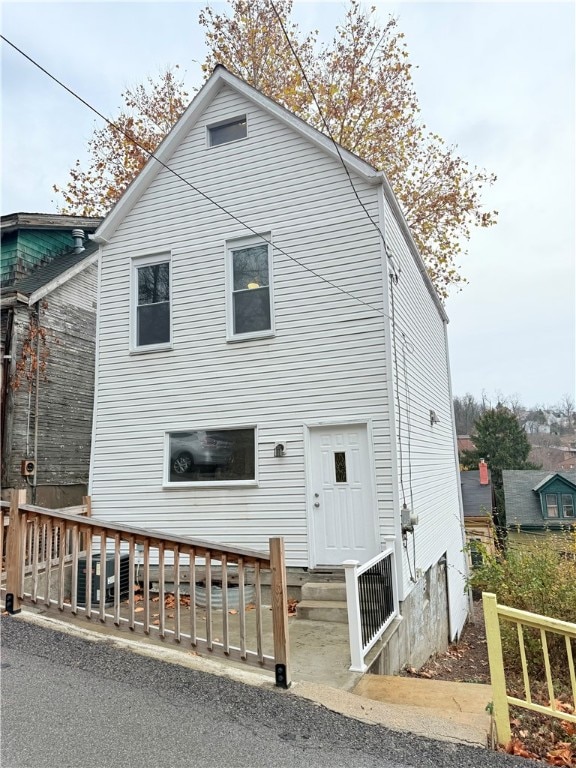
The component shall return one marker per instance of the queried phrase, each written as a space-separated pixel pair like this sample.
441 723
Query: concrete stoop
439 709
323 602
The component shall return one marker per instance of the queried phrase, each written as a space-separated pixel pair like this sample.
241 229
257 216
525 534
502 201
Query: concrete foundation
424 629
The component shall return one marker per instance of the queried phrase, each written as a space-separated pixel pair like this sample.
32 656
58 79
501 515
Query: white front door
343 519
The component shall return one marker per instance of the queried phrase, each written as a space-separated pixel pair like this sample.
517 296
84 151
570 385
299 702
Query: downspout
457 463
398 555
36 402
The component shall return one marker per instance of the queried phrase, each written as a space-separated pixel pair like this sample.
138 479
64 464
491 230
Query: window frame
221 124
137 262
168 484
547 506
563 506
235 245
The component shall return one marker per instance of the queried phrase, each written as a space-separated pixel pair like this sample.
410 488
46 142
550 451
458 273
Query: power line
325 123
188 183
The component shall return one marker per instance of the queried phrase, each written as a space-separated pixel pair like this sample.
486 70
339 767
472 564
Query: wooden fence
493 612
196 594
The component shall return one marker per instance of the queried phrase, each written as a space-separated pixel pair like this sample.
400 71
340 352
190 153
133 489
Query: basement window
227 131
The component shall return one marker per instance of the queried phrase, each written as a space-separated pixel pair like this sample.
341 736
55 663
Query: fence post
14 552
280 613
497 677
87 502
354 617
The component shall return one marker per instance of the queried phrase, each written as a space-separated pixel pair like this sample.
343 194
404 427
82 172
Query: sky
497 79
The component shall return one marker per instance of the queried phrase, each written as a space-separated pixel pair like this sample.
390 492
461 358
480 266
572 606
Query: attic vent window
227 131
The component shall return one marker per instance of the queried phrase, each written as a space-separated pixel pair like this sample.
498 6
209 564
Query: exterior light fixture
433 418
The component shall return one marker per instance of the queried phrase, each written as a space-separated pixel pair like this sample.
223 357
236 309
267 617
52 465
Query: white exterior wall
327 360
80 291
428 473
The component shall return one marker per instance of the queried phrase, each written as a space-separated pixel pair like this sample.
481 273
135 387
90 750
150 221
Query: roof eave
63 278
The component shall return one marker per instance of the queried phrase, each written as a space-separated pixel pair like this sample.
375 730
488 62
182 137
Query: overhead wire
151 155
196 189
325 122
394 277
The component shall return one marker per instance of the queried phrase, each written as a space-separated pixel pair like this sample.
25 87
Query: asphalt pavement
72 703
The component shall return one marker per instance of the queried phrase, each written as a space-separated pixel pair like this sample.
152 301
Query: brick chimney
483 467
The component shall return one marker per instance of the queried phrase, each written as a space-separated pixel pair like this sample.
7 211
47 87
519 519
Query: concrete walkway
453 712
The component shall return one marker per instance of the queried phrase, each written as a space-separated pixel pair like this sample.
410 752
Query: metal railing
372 599
493 612
200 595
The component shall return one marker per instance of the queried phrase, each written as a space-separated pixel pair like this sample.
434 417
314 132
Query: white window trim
209 483
229 246
146 261
220 123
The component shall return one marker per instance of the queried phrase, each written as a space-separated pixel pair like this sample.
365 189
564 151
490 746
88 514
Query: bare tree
566 407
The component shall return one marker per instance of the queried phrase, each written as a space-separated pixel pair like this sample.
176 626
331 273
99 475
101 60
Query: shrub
539 577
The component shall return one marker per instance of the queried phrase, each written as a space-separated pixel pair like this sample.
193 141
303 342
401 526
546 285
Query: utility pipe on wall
36 402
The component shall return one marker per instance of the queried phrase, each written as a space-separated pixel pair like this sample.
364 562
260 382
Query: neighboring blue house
539 502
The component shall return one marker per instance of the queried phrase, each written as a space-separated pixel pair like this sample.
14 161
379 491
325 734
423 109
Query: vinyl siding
326 360
427 470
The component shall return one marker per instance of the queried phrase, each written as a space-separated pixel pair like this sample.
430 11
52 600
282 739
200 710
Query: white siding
326 361
79 291
427 470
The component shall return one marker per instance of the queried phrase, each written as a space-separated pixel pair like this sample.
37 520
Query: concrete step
323 610
461 705
328 591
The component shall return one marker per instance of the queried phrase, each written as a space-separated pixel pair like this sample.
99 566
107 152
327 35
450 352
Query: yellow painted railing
493 612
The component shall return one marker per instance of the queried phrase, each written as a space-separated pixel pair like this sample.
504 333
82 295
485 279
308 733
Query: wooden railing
193 593
493 612
372 598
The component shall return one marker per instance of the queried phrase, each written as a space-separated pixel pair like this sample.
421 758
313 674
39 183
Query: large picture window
208 456
250 288
151 303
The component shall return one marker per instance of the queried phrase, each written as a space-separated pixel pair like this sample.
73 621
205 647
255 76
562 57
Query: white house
272 358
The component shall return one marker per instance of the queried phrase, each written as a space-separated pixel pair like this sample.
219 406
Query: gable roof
52 275
222 77
476 498
548 479
523 500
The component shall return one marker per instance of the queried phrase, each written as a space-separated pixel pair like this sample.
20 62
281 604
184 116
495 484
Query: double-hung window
552 505
250 305
151 321
567 505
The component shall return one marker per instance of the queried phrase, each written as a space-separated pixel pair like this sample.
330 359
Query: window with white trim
227 131
249 267
151 314
552 505
212 456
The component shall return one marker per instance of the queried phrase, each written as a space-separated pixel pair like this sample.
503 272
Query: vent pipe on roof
78 235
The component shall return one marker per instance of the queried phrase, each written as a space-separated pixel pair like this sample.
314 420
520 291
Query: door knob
316 503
